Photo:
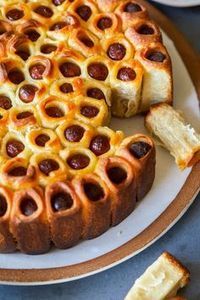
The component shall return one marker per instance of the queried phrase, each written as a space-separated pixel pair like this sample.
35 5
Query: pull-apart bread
161 281
65 67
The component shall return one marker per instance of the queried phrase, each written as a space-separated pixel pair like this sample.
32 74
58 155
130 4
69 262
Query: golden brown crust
143 167
7 243
14 178
107 5
98 29
142 33
120 179
96 211
129 16
31 232
65 225
179 266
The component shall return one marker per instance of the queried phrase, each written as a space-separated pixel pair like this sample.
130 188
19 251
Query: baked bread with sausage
65 68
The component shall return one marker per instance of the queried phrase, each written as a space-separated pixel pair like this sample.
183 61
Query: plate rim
156 229
182 3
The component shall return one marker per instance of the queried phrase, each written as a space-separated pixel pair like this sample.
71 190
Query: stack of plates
180 3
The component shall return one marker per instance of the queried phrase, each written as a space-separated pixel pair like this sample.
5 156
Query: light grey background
183 240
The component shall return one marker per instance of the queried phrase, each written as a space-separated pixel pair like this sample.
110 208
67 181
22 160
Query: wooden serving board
173 212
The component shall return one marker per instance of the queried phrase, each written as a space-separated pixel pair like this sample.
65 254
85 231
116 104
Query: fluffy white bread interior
160 281
174 133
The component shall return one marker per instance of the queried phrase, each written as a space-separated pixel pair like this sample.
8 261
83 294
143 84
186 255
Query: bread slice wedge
174 133
161 280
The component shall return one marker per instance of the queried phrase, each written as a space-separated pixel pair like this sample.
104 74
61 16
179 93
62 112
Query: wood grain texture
161 224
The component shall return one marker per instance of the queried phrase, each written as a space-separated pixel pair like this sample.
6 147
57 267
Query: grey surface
183 240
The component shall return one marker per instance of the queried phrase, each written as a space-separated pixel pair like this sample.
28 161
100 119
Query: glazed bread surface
65 68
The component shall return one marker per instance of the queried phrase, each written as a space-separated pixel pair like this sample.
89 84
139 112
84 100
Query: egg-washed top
65 67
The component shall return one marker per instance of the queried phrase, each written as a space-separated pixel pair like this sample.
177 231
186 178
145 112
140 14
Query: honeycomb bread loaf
65 68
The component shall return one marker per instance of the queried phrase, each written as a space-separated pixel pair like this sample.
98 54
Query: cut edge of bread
179 267
171 265
187 133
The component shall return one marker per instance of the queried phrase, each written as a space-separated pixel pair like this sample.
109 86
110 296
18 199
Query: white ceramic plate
179 3
168 182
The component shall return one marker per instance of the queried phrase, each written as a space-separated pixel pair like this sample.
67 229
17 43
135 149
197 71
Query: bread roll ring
65 68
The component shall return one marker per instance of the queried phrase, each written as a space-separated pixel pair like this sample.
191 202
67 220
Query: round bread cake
65 67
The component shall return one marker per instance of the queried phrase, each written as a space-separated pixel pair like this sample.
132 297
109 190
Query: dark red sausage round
139 149
89 111
116 51
104 23
74 133
100 144
42 139
145 29
44 11
84 12
48 48
78 161
36 71
27 93
5 102
93 191
14 14
132 7
24 115
126 74
18 171
14 147
66 88
98 71
117 175
28 206
95 93
54 112
156 56
61 201
69 69
46 166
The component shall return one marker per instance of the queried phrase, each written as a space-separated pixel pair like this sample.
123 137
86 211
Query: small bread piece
174 133
161 280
